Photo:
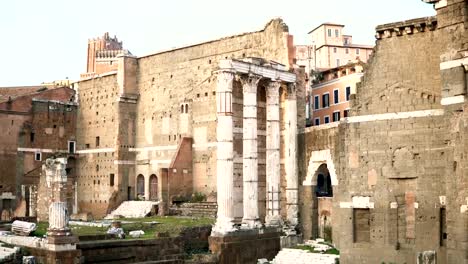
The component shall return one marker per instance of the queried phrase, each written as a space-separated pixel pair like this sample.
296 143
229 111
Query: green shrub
198 197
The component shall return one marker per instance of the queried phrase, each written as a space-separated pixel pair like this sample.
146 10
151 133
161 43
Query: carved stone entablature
406 27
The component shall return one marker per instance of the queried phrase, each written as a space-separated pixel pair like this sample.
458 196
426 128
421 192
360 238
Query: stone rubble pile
132 209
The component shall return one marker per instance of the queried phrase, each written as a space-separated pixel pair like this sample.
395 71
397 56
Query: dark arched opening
153 187
140 186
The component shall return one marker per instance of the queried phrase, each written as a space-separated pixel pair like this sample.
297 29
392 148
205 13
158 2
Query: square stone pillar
225 155
273 217
292 182
251 217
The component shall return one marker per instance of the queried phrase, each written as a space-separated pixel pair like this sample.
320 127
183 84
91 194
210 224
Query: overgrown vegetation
171 225
198 197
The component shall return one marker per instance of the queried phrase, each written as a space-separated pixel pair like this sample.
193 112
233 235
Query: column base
246 247
273 220
223 226
251 224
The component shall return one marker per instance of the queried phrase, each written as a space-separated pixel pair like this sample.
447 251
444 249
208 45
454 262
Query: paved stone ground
299 256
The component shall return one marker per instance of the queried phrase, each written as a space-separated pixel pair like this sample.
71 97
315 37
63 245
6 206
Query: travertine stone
292 183
58 216
273 217
225 154
250 155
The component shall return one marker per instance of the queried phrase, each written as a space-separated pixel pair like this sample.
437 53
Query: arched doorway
324 196
140 187
153 187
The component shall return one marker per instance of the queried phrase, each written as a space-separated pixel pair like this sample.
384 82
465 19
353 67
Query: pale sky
46 40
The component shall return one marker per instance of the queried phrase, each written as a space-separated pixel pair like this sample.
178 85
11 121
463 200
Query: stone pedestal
246 247
59 236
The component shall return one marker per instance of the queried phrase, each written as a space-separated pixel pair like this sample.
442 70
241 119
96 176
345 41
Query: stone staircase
299 256
133 209
202 209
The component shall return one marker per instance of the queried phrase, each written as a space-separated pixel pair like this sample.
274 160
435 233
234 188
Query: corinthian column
292 183
225 155
273 217
250 153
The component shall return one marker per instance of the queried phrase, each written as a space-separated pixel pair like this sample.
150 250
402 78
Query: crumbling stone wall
173 96
400 191
97 118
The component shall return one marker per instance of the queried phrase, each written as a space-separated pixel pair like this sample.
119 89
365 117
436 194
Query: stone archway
153 181
140 187
321 177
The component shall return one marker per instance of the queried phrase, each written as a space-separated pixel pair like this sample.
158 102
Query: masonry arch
153 182
321 177
140 186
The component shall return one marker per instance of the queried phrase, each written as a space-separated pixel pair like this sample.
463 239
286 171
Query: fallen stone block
136 233
23 228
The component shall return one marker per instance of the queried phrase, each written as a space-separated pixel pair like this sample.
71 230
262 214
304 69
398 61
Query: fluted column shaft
292 183
225 155
273 217
250 153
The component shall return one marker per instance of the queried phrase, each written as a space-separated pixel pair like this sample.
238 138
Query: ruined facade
396 164
132 122
37 122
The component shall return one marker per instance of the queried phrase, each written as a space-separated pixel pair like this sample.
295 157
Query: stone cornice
272 72
407 27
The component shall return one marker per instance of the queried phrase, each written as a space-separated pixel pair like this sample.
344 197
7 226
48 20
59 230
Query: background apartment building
331 91
327 51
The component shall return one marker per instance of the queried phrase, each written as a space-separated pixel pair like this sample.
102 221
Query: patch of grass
333 251
41 229
170 224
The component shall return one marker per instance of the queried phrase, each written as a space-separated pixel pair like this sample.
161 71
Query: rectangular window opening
348 93
327 119
111 179
31 137
346 113
336 116
336 96
325 100
71 147
317 121
443 227
38 156
98 141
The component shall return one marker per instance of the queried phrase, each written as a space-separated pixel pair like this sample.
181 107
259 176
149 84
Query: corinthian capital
291 91
250 83
225 79
273 86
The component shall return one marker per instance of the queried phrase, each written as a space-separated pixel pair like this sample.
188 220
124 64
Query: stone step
133 209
